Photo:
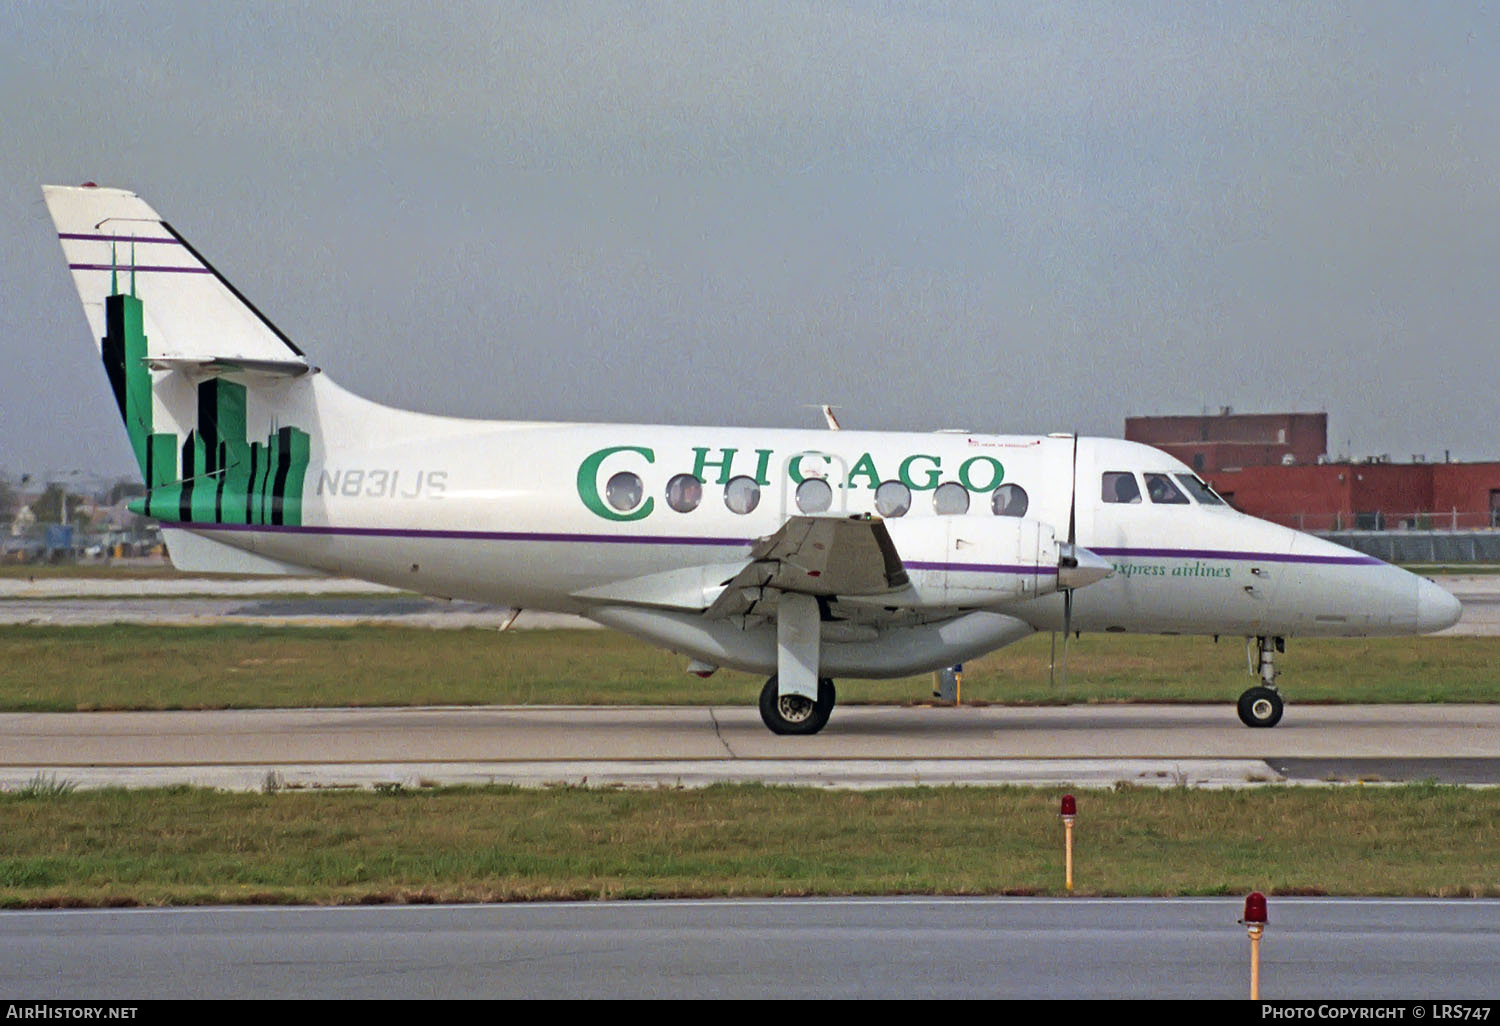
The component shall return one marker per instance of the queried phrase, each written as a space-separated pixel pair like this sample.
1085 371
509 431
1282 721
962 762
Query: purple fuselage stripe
84 236
614 539
1263 557
527 536
122 268
983 568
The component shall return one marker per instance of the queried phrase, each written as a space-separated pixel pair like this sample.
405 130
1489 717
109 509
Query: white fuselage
518 514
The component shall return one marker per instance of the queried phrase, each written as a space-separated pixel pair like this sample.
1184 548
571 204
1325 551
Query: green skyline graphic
216 476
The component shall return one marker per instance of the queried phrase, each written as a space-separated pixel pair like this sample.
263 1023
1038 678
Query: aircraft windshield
1163 491
1200 491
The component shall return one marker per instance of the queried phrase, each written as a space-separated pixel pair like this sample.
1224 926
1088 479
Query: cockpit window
1162 490
1120 486
1200 491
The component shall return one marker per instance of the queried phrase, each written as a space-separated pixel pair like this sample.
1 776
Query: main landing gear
1262 706
796 714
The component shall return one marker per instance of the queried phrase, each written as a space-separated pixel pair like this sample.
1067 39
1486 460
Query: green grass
106 571
186 846
130 667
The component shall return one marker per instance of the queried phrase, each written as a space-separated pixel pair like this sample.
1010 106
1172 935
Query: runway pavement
869 746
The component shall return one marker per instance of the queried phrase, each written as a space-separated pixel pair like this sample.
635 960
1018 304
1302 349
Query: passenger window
950 499
741 494
1200 491
1009 501
814 495
684 492
624 491
1120 487
1163 491
892 499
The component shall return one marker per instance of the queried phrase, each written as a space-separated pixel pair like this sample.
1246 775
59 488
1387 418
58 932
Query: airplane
801 554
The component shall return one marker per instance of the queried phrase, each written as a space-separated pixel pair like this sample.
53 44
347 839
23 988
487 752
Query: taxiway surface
863 746
901 948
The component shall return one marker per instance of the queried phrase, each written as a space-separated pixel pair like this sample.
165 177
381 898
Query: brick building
1214 442
1275 466
1367 496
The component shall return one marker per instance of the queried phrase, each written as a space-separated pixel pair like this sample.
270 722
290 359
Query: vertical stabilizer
210 392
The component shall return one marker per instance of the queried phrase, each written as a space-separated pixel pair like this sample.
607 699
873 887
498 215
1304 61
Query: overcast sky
1005 217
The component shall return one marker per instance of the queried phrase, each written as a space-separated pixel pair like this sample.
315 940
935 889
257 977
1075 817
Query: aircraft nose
1436 608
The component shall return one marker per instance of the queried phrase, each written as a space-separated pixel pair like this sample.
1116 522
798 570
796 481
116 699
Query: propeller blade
1067 630
1073 499
1067 568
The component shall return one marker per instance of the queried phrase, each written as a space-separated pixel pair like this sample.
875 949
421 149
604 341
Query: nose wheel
796 714
1262 706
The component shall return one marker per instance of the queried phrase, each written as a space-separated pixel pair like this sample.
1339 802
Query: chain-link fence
1422 546
1426 520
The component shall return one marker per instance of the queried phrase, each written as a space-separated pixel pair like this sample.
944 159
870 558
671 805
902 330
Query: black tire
795 714
1261 707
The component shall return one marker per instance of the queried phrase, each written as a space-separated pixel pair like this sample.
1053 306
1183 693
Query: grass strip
239 667
136 571
184 846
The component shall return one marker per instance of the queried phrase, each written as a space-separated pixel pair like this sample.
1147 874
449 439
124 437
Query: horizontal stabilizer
225 366
197 554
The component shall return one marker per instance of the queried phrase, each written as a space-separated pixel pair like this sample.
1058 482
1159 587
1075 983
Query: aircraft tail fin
196 371
116 244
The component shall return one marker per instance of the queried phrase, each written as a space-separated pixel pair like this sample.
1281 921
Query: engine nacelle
966 561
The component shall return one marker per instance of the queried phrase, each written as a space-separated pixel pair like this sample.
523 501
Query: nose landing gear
1262 706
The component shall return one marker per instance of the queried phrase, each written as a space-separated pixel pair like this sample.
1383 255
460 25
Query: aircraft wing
811 555
819 556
